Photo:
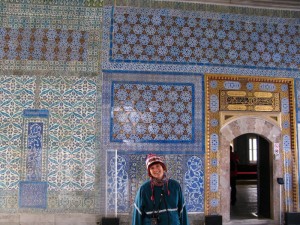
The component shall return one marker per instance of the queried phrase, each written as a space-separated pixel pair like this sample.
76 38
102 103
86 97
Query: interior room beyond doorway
253 177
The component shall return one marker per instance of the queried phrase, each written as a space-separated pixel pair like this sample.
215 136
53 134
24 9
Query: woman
159 200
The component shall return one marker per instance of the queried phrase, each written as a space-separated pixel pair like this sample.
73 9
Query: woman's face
156 171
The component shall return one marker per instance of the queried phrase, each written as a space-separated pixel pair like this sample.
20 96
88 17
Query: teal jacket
170 208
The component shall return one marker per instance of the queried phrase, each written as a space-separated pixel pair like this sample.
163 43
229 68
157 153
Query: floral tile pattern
126 175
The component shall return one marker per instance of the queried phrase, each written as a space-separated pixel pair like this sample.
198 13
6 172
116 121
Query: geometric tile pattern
224 9
214 142
85 3
152 112
33 194
297 95
164 39
125 98
214 182
72 101
177 37
43 44
298 135
126 172
51 37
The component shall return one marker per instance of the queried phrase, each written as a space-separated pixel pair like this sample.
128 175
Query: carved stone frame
232 124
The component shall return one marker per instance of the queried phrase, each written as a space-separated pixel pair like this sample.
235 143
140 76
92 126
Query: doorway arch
230 130
254 154
233 107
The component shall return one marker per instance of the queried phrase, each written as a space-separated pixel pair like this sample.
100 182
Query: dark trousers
233 189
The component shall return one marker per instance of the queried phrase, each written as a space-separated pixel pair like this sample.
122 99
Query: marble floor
244 212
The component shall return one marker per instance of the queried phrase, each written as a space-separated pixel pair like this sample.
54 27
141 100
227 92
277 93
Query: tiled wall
80 83
53 143
168 40
50 37
297 93
153 113
50 86
143 41
187 168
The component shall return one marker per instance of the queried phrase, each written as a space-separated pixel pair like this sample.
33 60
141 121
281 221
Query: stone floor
244 211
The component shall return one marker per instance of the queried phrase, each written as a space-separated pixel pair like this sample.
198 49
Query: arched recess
229 131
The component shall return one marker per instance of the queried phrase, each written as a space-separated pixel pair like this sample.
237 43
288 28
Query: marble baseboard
73 219
49 219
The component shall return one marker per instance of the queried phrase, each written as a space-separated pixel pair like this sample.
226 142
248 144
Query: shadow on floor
245 210
246 204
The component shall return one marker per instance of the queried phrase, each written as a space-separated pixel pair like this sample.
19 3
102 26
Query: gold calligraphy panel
253 101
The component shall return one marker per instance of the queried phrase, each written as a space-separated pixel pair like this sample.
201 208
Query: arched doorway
238 126
253 177
236 105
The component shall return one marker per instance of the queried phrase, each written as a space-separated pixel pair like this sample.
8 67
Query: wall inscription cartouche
249 101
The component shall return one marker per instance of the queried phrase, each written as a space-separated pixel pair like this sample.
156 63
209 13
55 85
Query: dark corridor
254 178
